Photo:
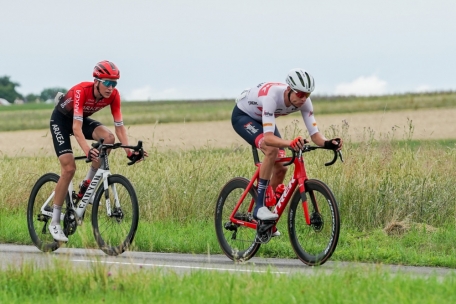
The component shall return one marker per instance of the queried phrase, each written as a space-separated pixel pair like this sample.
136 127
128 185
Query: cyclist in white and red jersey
71 117
254 117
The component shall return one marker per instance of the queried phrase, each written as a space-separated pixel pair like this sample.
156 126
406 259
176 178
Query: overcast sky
200 49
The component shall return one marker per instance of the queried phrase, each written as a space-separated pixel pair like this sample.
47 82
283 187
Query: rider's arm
318 139
121 133
120 130
311 124
78 114
271 140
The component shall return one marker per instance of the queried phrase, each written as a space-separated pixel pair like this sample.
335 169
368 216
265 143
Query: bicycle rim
236 241
37 222
114 233
314 244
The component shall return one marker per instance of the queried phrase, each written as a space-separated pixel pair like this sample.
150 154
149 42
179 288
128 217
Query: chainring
69 222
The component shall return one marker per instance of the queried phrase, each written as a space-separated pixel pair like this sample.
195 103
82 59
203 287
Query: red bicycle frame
299 177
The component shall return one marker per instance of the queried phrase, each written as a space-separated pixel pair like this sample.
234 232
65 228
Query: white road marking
182 267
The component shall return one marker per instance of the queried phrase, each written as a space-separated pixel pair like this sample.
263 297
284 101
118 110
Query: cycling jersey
266 101
80 102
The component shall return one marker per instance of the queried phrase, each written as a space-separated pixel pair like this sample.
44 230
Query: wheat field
425 124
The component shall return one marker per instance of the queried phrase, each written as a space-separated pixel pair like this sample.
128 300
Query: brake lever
340 156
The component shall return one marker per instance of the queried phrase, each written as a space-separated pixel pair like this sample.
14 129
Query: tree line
8 92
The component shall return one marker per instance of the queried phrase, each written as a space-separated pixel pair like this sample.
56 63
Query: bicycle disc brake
316 221
69 222
118 214
264 231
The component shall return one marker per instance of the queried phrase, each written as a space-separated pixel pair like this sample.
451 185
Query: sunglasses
108 83
300 94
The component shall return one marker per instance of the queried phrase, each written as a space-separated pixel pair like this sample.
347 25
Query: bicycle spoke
114 231
39 212
315 243
237 241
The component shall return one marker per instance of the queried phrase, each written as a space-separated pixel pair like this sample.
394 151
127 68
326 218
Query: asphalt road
17 255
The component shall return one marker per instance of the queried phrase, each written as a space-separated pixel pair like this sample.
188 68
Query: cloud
423 88
149 93
362 86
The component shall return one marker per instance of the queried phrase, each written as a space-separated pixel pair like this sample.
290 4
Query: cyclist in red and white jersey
254 116
71 117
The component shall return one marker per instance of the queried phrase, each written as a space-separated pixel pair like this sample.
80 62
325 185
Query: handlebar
308 148
100 145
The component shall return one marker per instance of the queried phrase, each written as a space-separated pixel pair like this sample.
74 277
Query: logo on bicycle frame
285 193
93 184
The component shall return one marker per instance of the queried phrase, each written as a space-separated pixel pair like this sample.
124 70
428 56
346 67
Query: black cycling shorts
62 128
248 128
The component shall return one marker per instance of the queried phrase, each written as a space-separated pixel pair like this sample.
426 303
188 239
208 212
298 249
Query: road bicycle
313 229
115 211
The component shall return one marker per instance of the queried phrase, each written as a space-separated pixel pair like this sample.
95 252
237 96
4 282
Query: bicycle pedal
264 231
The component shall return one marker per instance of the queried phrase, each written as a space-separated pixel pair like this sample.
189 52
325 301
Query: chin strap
98 89
289 94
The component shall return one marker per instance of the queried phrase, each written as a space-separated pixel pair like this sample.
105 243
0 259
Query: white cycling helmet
300 80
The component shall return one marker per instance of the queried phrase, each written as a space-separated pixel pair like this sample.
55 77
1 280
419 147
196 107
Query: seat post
256 158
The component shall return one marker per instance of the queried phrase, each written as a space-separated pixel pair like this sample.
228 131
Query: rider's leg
261 211
109 138
278 176
68 168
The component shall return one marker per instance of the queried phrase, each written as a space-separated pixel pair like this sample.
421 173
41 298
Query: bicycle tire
115 233
314 244
37 222
238 244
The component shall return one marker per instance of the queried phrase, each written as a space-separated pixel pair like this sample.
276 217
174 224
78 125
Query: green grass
102 284
36 116
381 183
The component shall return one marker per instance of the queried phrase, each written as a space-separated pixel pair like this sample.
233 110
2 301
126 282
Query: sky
213 49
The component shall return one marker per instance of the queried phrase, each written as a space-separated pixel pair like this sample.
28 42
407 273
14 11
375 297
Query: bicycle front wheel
237 241
115 215
315 243
39 212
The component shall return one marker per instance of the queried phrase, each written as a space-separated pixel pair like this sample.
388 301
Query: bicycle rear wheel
115 232
237 241
315 243
42 196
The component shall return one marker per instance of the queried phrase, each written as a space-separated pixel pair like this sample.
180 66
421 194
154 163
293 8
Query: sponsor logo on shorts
64 104
250 128
58 134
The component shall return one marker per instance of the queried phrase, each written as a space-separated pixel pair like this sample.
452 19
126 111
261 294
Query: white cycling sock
56 215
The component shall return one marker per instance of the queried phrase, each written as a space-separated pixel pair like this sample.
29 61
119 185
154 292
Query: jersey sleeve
308 117
78 104
267 115
116 112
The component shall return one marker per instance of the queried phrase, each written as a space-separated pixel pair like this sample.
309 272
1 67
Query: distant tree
8 89
50 93
32 97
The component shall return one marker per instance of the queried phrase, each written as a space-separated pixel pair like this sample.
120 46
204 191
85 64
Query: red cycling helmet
106 69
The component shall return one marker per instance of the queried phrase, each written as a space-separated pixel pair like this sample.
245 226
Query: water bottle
84 185
270 200
279 190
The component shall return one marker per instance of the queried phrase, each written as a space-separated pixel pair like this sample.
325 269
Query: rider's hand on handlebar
298 143
137 156
93 154
334 144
